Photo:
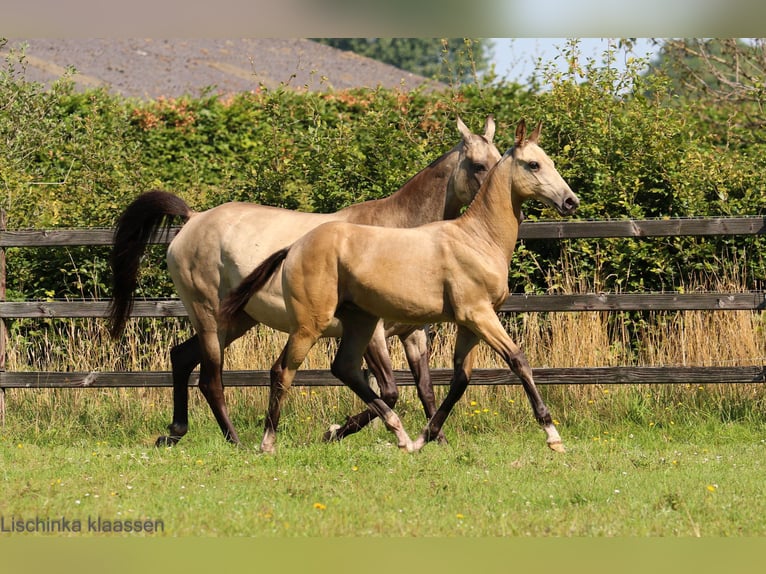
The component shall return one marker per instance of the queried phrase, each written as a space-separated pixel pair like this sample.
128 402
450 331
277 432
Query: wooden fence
753 301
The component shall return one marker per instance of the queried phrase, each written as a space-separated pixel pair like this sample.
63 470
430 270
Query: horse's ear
535 136
521 132
489 128
463 129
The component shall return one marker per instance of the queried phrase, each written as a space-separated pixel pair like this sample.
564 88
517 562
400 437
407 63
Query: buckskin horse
216 248
453 270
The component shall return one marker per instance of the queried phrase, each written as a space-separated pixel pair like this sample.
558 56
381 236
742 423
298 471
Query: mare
216 248
454 270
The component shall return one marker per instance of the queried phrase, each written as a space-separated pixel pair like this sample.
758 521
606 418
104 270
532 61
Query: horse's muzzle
569 205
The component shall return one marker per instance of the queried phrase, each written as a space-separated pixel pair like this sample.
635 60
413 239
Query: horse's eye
533 165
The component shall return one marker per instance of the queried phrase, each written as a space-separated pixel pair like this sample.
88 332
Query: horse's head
478 155
535 176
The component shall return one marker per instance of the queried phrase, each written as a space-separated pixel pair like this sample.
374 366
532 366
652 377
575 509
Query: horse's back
396 274
217 248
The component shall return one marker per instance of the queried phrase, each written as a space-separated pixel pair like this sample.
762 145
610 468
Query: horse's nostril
571 203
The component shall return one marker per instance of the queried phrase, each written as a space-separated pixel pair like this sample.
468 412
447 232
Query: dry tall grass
580 339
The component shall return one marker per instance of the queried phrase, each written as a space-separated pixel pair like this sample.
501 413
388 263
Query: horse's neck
495 213
423 199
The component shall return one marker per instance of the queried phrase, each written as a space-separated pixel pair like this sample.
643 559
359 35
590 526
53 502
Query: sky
515 58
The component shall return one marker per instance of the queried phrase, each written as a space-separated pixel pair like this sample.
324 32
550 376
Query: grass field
686 473
665 460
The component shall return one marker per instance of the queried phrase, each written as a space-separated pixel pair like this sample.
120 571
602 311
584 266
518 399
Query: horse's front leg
492 331
417 351
465 342
520 366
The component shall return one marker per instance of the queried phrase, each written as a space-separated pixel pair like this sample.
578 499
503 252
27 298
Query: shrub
625 142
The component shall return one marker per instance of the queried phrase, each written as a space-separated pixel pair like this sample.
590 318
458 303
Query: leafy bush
627 144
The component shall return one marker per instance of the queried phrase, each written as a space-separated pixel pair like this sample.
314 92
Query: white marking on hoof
553 438
419 443
557 446
268 444
394 424
332 433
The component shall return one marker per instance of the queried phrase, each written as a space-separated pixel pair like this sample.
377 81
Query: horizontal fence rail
750 301
529 230
745 301
321 378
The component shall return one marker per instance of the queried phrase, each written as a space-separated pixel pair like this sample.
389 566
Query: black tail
241 294
150 212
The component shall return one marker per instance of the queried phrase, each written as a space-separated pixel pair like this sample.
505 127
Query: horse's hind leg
211 386
212 345
211 371
282 375
358 328
465 342
183 359
378 360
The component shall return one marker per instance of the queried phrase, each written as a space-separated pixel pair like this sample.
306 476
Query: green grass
665 470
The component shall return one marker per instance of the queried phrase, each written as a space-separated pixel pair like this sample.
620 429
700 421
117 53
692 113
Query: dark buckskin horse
453 271
215 249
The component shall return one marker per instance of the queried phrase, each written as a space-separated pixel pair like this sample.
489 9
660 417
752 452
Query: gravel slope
149 68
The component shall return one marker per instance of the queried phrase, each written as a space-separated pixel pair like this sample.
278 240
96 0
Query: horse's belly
269 309
402 305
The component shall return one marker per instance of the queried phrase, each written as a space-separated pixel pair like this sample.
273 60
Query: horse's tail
150 212
236 300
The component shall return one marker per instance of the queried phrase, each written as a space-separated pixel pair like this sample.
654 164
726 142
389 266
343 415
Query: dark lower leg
211 386
183 358
433 428
417 353
358 329
379 362
282 375
274 409
465 342
520 366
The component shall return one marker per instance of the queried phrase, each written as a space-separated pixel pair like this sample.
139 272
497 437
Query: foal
444 271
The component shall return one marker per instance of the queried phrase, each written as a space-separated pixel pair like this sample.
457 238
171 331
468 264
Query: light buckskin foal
453 270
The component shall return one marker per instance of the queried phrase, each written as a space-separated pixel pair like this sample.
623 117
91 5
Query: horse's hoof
332 434
407 447
267 449
442 440
166 441
557 446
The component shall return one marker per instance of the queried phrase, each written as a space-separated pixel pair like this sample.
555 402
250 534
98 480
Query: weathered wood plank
73 380
69 309
529 230
70 237
543 376
642 228
752 301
